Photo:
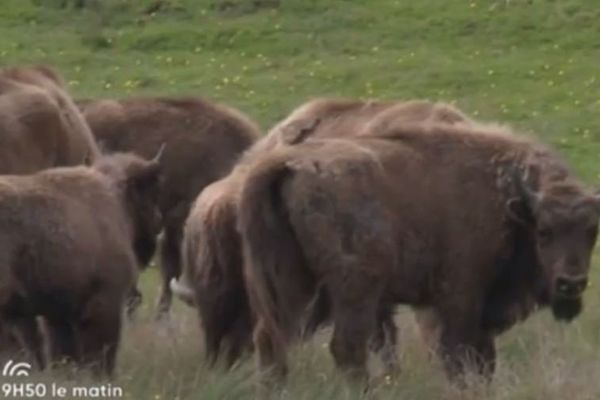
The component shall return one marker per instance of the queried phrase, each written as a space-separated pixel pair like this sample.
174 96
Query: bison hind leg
271 349
99 331
63 342
355 321
239 340
318 314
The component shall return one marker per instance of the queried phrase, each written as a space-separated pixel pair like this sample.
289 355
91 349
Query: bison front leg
487 350
134 300
385 340
31 339
463 347
170 267
99 331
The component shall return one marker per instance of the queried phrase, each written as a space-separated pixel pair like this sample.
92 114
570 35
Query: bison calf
68 238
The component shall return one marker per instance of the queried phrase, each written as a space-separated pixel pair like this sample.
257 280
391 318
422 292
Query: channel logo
12 369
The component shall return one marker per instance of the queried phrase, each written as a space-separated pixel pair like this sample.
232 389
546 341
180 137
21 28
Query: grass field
534 64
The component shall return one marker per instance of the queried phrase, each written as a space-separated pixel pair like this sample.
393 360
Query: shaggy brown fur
495 226
40 127
68 252
203 141
212 259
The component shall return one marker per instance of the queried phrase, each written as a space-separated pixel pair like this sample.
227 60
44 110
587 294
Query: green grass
530 63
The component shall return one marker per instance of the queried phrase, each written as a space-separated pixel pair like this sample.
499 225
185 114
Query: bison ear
148 175
518 211
146 181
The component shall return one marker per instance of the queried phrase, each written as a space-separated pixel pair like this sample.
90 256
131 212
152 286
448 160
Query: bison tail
183 291
224 301
275 272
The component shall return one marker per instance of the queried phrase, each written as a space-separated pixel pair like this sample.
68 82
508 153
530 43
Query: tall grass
540 359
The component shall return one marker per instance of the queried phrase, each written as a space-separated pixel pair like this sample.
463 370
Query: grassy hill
530 63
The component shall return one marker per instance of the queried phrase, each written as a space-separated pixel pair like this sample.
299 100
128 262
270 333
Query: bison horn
529 196
159 154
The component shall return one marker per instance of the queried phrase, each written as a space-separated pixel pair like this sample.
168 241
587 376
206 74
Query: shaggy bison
203 142
40 127
473 225
68 237
212 253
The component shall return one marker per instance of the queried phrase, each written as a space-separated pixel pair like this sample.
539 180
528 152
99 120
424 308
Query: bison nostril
571 286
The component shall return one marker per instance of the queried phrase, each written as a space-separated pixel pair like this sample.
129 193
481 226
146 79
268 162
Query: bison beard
566 309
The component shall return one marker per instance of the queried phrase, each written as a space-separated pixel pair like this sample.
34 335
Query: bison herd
341 212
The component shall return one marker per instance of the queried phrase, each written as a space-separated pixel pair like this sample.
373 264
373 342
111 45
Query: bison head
138 181
563 218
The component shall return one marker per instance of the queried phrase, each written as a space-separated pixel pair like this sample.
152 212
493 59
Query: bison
474 227
68 254
40 127
212 253
203 142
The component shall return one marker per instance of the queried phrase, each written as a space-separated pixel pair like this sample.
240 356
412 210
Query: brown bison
68 252
212 253
203 142
475 226
40 127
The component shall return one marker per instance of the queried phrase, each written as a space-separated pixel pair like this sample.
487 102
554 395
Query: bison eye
544 235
